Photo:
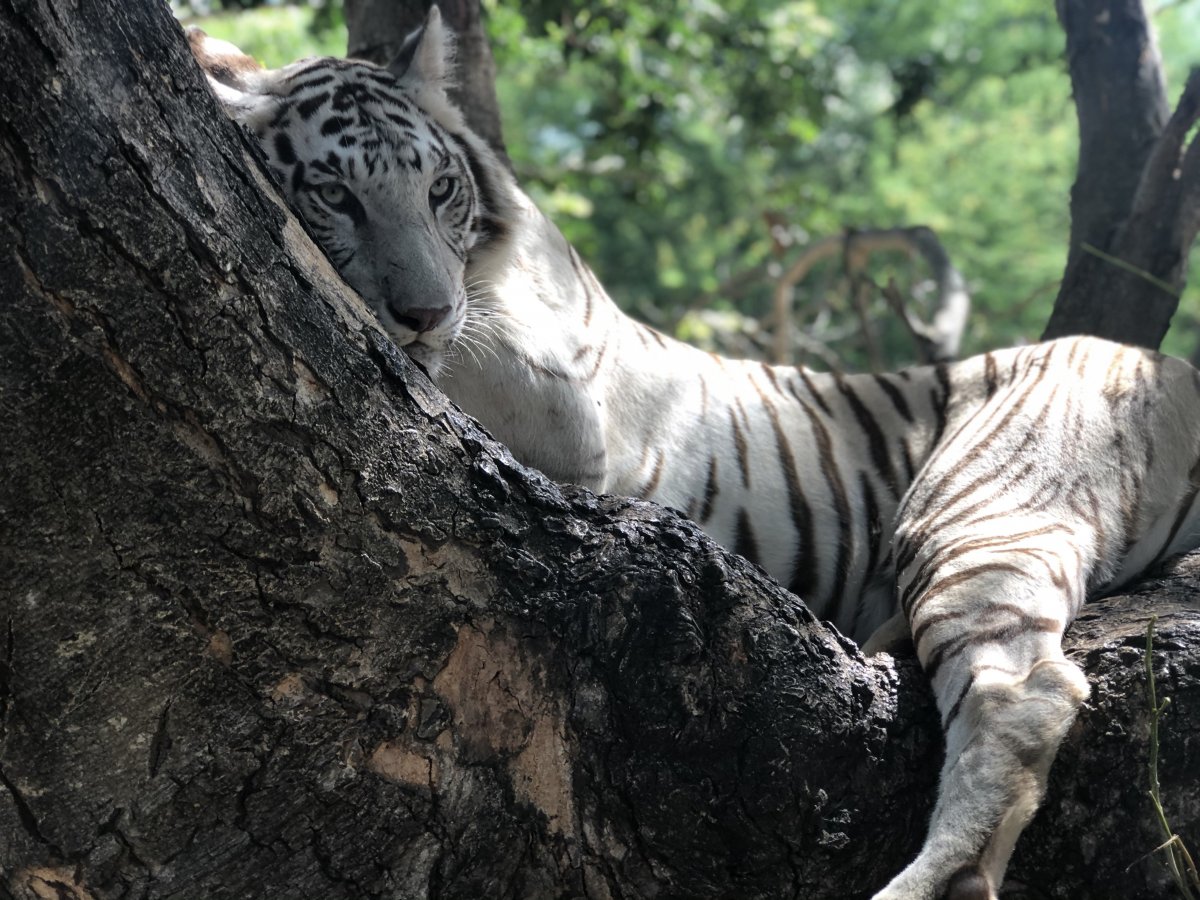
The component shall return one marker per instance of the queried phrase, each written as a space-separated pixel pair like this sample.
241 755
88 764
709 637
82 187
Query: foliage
272 33
683 144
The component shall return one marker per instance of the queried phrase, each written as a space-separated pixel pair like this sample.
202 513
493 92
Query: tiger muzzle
420 319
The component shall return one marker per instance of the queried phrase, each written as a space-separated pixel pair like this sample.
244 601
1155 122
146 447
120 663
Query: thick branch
1120 100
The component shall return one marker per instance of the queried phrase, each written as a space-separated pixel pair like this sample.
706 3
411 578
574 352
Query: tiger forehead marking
355 116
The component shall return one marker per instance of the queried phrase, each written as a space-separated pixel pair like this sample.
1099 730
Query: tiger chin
980 502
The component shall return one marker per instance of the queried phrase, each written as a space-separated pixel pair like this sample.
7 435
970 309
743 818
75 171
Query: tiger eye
333 194
442 189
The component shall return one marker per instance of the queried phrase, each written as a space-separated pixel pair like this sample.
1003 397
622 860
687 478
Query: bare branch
1127 287
895 301
940 338
784 293
1189 168
1163 164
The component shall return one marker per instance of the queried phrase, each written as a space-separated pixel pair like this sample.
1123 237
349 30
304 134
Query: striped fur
986 500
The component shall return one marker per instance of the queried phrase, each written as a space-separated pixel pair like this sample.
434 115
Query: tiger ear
426 58
236 78
222 62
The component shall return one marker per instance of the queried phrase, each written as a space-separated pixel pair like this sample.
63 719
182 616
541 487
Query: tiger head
379 163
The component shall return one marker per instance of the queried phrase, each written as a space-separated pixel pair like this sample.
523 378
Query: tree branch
1135 204
1121 104
937 340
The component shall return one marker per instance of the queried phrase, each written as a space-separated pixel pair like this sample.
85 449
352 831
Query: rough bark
1135 204
378 28
276 620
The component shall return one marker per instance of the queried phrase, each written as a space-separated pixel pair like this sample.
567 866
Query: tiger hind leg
1007 696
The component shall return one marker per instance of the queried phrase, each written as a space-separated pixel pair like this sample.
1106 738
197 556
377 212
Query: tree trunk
276 620
1135 205
378 28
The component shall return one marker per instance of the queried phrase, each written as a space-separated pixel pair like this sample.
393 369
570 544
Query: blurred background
693 151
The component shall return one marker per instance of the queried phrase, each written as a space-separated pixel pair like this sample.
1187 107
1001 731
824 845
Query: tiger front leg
999 751
988 630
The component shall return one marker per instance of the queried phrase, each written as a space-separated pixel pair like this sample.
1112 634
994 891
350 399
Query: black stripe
739 442
770 373
491 227
1023 624
652 486
284 151
1180 518
400 120
710 490
841 506
599 359
1009 410
812 392
306 108
804 578
335 124
962 695
954 580
577 265
744 543
910 471
658 338
940 402
895 396
876 441
325 168
874 520
297 87
347 95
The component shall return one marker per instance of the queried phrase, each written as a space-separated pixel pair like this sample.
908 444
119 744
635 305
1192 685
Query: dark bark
1121 104
378 28
1135 205
276 620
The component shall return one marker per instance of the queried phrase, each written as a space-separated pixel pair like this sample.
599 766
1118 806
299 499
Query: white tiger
988 498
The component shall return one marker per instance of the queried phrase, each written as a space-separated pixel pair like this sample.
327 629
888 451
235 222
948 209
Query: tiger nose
419 319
